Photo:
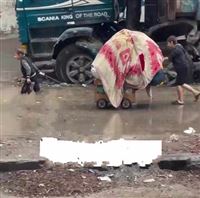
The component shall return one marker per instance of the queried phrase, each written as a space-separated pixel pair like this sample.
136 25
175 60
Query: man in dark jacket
180 62
29 71
133 14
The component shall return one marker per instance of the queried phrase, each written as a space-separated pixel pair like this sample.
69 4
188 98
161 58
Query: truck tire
74 64
196 76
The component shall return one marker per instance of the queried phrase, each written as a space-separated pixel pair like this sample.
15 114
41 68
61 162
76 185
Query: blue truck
65 35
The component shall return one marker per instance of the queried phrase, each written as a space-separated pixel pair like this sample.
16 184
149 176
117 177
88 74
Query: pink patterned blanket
129 56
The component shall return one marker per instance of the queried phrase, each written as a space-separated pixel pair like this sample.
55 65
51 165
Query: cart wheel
102 104
126 103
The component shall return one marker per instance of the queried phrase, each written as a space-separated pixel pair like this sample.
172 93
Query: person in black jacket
29 71
180 62
133 14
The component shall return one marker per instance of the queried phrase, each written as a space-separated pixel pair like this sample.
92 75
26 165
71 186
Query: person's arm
27 68
170 57
174 54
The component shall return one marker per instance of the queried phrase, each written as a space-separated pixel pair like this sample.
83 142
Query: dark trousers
26 88
36 86
133 14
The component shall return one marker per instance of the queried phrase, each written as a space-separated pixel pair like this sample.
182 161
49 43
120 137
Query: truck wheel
102 104
74 64
126 103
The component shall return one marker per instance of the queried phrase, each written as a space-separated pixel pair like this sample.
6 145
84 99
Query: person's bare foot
196 97
177 102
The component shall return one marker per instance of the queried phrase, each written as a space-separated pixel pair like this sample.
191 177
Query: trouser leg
36 86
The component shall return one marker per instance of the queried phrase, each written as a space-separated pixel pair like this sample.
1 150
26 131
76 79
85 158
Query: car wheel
126 103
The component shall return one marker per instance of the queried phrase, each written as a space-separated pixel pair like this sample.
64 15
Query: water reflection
114 126
180 114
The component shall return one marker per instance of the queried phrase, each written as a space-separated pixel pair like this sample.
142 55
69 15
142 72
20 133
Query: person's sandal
177 103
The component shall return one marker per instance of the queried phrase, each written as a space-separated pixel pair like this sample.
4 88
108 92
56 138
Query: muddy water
70 113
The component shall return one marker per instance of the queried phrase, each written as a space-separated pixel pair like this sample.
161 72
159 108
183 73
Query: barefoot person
180 62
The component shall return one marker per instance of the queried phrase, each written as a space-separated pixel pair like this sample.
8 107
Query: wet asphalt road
70 113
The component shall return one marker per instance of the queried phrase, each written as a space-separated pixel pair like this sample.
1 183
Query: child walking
30 73
181 64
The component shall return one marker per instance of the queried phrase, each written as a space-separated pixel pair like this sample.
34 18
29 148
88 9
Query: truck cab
57 33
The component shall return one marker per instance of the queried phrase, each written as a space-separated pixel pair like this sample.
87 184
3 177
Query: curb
169 162
7 166
177 162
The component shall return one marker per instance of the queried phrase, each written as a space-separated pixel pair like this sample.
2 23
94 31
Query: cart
102 100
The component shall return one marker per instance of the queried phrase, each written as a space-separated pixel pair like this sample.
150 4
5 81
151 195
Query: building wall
8 22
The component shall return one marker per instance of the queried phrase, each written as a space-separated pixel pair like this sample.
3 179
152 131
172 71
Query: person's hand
22 79
41 73
28 80
165 58
165 62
